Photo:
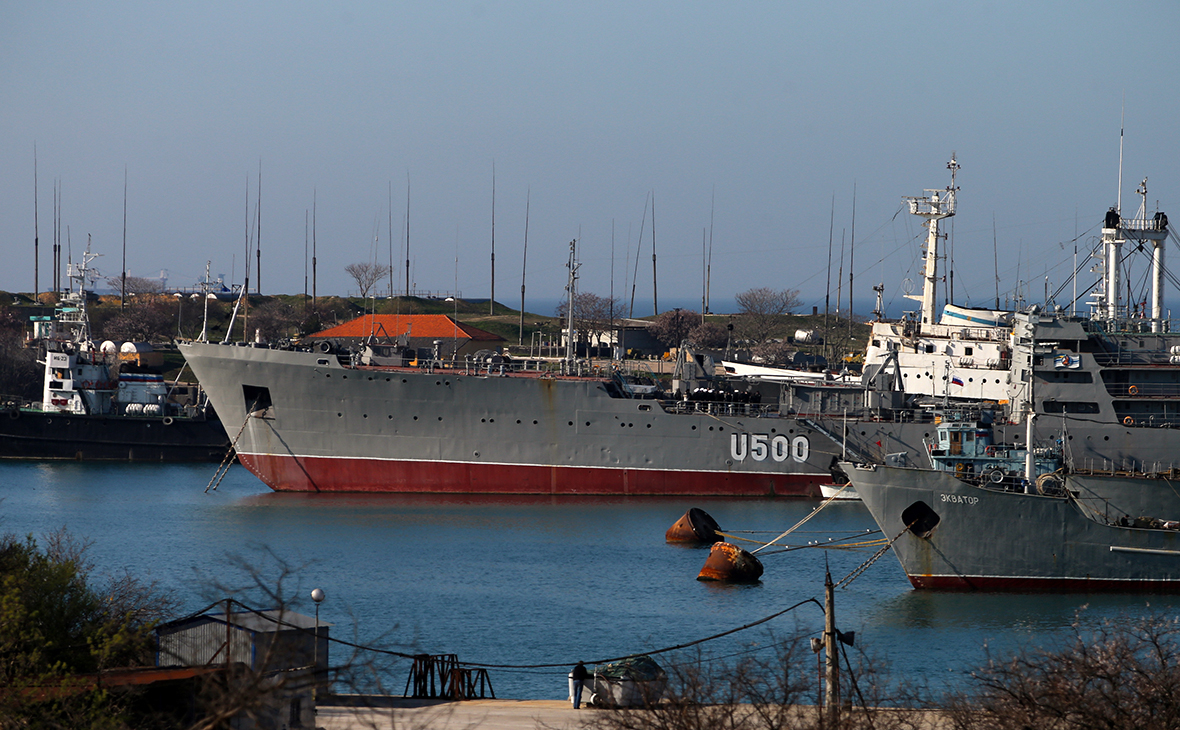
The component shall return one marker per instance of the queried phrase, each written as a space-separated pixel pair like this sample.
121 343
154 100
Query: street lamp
317 596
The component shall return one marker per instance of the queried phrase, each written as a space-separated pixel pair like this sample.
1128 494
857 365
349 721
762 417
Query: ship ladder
228 460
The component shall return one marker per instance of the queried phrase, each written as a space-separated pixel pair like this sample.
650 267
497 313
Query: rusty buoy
731 564
696 526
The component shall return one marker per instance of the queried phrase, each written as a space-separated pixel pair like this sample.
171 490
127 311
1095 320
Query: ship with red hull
327 422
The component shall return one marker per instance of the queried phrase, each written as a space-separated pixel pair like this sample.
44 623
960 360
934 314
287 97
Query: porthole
440 418
649 425
518 420
415 418
364 415
404 380
340 415
327 375
390 416
571 423
534 423
587 423
694 428
483 420
387 380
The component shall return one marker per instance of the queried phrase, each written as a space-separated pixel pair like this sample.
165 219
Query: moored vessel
323 421
1100 532
98 404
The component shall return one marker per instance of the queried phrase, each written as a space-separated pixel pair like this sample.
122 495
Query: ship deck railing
721 408
1143 390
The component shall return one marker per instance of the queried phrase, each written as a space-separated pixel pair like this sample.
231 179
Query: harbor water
523 580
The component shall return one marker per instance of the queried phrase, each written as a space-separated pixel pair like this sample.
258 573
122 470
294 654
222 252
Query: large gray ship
1103 384
1098 533
329 422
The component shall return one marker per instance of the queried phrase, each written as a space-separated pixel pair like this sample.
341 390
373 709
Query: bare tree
150 321
709 335
594 315
774 689
1118 675
136 285
366 275
762 311
673 326
274 320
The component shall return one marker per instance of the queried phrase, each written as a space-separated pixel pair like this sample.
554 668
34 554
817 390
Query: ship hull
29 434
328 427
990 540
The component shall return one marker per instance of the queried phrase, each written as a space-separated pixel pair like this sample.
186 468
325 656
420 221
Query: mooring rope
801 522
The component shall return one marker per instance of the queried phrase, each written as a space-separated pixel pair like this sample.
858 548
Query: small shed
285 647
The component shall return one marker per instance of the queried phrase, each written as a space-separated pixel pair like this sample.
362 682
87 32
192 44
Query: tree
150 321
773 687
58 620
594 315
20 375
366 275
709 335
1119 675
135 285
274 320
673 326
762 310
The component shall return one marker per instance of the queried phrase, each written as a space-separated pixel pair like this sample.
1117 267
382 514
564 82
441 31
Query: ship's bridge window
929 348
876 343
258 402
1066 406
968 351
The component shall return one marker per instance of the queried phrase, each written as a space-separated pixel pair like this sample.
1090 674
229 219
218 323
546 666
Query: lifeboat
696 526
730 564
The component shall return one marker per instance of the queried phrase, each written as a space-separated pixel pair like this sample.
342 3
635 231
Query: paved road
484 714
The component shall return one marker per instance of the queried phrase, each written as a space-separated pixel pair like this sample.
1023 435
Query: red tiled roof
433 326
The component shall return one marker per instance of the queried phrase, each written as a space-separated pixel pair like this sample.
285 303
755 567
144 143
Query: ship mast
933 207
1116 231
569 309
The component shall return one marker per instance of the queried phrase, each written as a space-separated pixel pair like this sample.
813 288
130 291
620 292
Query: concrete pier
378 712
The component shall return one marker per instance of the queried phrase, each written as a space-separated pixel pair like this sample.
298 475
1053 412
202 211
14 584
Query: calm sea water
521 580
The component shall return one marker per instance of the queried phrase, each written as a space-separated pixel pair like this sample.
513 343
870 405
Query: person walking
578 678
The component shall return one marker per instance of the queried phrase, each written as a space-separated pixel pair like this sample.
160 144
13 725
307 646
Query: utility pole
832 668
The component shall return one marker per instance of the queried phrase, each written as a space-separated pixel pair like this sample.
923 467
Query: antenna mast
571 288
524 263
492 300
934 207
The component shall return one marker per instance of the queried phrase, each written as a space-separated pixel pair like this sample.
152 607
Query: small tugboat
104 402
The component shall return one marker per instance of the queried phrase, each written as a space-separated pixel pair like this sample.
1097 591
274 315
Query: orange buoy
696 526
731 564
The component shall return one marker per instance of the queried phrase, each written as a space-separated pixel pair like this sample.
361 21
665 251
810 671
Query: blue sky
777 109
